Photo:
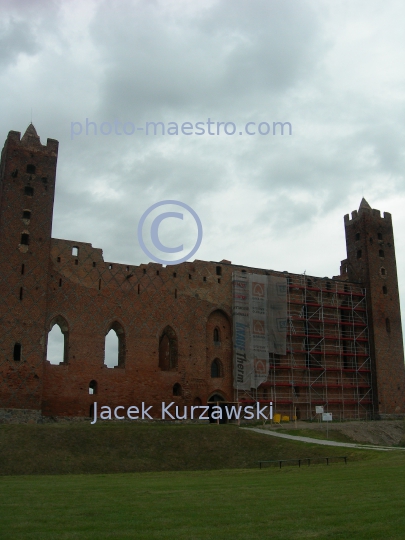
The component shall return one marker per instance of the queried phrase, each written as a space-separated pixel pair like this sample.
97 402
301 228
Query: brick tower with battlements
27 185
371 261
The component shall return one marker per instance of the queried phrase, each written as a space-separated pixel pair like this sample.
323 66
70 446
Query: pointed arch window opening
114 346
58 342
216 369
168 350
217 336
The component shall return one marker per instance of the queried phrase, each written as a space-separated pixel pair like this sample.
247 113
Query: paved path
321 441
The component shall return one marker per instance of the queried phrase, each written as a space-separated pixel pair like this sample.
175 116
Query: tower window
328 286
93 387
25 239
382 270
217 338
27 214
387 325
219 271
174 274
21 293
309 283
17 352
75 251
31 169
379 236
177 390
94 264
384 289
22 269
28 190
381 253
359 253
357 236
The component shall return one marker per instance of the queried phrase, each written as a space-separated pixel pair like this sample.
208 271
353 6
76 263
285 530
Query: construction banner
259 323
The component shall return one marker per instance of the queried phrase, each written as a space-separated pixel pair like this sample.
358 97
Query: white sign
327 417
319 410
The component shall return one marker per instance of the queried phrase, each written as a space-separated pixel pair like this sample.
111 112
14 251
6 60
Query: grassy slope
361 501
125 447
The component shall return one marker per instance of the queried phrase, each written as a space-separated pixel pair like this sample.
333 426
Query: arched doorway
213 401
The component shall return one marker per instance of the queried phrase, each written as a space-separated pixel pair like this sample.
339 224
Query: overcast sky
333 70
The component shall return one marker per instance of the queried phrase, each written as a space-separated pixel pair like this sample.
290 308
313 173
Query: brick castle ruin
344 347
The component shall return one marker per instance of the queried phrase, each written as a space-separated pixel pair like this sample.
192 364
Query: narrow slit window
381 253
22 269
359 253
21 293
25 239
219 270
17 352
379 236
357 236
385 291
177 390
387 325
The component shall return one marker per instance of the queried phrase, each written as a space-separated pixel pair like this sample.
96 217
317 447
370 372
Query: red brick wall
387 347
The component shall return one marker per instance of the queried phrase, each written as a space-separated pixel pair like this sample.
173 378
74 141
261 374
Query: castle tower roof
31 137
364 204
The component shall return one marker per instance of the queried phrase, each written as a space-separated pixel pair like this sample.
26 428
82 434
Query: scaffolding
327 362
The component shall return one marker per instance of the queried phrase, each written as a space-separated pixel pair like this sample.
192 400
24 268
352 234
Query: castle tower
27 186
371 261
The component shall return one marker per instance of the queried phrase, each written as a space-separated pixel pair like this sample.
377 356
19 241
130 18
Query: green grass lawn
205 485
363 500
79 448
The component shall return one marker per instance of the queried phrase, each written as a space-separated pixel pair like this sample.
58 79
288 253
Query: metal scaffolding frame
328 354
